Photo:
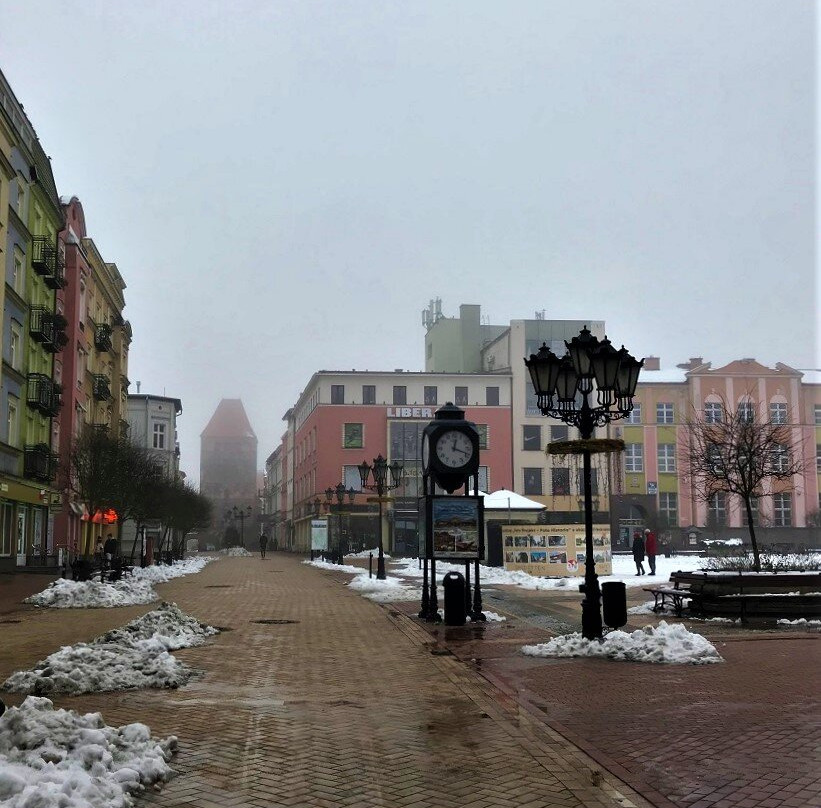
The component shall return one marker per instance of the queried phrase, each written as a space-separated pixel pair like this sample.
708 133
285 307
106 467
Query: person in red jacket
651 548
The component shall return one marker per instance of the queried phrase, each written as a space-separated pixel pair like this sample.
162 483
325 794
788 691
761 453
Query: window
754 507
559 432
337 394
12 422
352 436
782 509
818 457
668 508
667 457
351 478
778 412
817 412
400 394
492 396
21 199
560 478
159 436
664 413
406 440
713 412
431 394
746 412
15 354
635 414
368 394
533 482
18 272
717 510
461 396
484 479
531 403
483 433
532 438
634 457
780 459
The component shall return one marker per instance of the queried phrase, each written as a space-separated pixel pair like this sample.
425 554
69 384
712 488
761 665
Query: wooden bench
675 595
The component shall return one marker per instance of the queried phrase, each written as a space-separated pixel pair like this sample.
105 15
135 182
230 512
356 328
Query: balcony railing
57 278
102 336
37 323
39 463
43 255
39 392
101 387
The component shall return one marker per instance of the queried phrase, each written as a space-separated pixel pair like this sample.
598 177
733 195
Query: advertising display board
319 534
554 550
454 526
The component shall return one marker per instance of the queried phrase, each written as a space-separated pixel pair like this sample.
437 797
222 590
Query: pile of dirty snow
134 656
66 594
60 758
367 553
327 565
801 622
160 573
388 591
241 552
671 644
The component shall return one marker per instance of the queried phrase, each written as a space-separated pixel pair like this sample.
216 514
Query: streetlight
242 515
339 491
563 389
382 483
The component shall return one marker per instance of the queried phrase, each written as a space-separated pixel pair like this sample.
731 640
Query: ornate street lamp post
564 387
386 477
242 515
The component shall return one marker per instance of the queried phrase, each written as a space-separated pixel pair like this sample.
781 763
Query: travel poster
456 524
554 551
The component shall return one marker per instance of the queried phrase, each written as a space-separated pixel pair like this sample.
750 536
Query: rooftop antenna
138 388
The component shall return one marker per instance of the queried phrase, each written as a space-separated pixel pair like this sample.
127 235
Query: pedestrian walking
651 548
263 543
98 550
638 552
110 548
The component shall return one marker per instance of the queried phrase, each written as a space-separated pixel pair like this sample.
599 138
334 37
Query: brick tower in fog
228 460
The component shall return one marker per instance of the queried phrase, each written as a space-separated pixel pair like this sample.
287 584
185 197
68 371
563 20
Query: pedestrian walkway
334 701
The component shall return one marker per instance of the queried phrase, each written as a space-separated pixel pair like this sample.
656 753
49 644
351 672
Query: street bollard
370 565
454 586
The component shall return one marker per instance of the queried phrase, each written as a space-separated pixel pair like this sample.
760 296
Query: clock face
454 449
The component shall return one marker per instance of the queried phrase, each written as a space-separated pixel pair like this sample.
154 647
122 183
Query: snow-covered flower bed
134 656
66 594
672 644
132 590
238 552
51 758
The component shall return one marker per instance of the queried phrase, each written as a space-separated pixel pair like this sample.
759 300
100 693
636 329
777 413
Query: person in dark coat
263 544
638 552
651 548
110 548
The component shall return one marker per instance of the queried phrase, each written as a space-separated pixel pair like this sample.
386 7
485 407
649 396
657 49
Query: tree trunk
134 545
751 528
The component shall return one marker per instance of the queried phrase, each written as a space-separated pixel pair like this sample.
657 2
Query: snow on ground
134 656
238 551
66 594
387 591
493 617
671 644
326 565
366 553
647 608
51 758
130 591
801 622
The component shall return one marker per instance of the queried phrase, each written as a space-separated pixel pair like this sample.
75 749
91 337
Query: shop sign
425 413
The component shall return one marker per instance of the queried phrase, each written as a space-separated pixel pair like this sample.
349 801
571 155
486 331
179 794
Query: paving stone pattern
344 707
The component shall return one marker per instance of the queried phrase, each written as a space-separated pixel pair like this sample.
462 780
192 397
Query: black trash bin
454 585
614 603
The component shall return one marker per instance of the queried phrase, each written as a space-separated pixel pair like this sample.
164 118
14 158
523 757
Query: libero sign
410 412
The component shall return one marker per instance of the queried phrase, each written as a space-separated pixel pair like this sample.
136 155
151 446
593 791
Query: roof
148 397
229 421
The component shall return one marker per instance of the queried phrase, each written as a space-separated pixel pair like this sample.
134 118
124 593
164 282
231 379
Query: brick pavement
345 706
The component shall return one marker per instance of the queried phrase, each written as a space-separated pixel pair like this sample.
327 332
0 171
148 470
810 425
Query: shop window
532 438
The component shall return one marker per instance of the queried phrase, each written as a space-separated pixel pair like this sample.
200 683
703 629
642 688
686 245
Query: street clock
450 448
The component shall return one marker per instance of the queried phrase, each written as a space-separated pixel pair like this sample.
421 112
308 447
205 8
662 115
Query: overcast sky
285 185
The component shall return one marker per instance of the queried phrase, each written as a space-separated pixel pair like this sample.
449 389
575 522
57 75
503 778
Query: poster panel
554 550
319 534
457 527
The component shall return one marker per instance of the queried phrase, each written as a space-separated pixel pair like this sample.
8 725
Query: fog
285 185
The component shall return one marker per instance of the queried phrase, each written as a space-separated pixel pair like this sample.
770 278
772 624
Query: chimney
652 363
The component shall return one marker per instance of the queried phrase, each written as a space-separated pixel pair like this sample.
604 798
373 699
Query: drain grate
442 652
218 586
223 628
7 622
275 622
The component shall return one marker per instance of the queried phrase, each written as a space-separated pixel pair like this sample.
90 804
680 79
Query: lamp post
564 387
242 515
340 492
386 477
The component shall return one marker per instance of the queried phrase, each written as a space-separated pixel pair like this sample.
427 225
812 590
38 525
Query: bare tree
736 452
188 510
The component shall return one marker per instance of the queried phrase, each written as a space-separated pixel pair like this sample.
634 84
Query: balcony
101 387
39 463
102 336
43 255
54 332
37 323
39 392
57 279
55 402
